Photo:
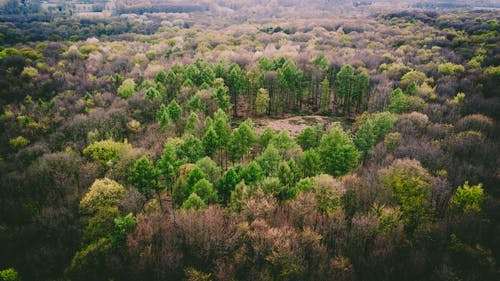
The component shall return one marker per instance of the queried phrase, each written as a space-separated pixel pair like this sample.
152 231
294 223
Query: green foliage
392 141
325 98
195 275
102 193
310 137
144 176
228 182
100 224
467 199
106 152
269 159
195 104
373 130
19 142
9 274
252 173
321 62
310 163
123 226
266 137
210 142
205 190
338 152
328 192
193 202
410 185
413 76
168 162
398 102
284 143
221 96
262 101
450 69
191 149
192 121
194 176
210 168
241 140
89 263
174 111
127 88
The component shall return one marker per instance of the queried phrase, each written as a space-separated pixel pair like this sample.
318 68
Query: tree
193 202
9 274
123 226
204 189
195 104
210 142
467 199
228 182
310 163
398 101
252 173
103 192
144 176
266 137
195 175
191 149
262 102
410 185
344 81
241 140
325 96
174 112
168 163
236 82
338 152
127 88
373 130
310 137
269 159
192 122
223 130
222 98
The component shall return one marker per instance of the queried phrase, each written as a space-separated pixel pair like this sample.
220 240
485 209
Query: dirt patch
294 125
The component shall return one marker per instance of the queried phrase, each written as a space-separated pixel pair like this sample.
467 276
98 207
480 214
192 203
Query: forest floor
295 124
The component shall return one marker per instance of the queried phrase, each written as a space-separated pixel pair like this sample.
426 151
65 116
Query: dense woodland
144 146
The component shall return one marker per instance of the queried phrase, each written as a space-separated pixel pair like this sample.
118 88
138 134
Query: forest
250 140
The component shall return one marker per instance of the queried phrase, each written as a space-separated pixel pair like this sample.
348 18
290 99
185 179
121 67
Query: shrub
103 192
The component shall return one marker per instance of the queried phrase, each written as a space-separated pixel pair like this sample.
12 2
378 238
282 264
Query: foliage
127 88
103 192
123 226
9 274
467 199
144 176
338 152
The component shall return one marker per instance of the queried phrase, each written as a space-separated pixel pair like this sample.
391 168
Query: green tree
191 149
192 122
223 130
174 112
195 175
269 159
310 137
205 190
467 199
9 274
236 81
228 182
127 88
325 95
310 163
410 184
398 101
373 130
194 202
252 173
144 176
195 104
345 80
221 96
102 193
123 226
338 152
241 140
262 102
266 137
210 142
